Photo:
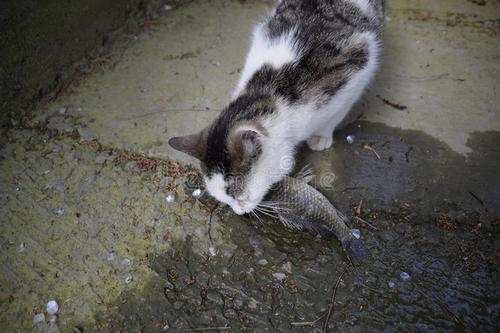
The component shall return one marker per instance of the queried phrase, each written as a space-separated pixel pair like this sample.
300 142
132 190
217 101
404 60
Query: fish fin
290 221
305 174
343 217
299 223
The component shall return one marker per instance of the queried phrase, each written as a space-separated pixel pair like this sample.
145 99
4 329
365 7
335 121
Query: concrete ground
85 222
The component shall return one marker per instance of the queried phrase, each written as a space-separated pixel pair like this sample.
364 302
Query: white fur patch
304 121
275 52
216 187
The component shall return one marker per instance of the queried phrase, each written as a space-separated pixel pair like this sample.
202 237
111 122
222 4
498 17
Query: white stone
356 233
125 263
262 262
279 276
38 318
405 276
128 278
52 307
170 198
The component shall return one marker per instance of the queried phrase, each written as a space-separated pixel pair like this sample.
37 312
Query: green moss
106 209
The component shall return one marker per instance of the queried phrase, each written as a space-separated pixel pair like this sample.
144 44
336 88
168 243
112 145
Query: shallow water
454 274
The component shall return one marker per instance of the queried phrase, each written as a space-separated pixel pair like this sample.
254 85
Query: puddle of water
277 281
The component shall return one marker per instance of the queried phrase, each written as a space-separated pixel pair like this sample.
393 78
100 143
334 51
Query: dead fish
300 206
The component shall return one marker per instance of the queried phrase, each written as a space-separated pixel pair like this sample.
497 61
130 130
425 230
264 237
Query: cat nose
241 203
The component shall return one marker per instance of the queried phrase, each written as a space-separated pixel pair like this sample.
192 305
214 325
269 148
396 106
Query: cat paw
318 143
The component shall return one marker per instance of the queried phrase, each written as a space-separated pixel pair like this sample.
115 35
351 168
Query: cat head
233 161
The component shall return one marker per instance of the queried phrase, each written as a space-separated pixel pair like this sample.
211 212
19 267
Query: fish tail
356 250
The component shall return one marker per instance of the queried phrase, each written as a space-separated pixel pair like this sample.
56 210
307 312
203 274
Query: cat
308 64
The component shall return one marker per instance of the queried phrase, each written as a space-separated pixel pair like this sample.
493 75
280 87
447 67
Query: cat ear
194 144
245 142
250 143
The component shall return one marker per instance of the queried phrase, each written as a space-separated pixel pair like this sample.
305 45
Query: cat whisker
274 208
257 216
272 204
265 209
266 213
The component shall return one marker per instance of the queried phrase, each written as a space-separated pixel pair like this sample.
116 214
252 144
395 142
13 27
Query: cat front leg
322 139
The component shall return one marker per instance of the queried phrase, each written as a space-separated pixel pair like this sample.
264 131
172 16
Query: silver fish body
300 206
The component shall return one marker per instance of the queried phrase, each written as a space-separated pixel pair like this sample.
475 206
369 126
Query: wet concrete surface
83 190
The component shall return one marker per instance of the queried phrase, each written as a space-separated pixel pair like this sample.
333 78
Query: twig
459 321
358 208
366 222
368 147
202 329
392 104
476 197
407 154
332 301
307 323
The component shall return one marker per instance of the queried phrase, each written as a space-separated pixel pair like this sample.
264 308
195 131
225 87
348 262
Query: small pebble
391 284
59 211
167 7
128 277
287 267
211 251
197 193
52 307
350 139
63 110
38 318
405 276
21 247
254 242
170 198
125 263
110 256
356 233
279 276
262 262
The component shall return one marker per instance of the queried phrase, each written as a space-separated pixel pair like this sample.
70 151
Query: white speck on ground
405 276
52 307
356 233
38 318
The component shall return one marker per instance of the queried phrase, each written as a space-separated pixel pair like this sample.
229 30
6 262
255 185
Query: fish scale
300 206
